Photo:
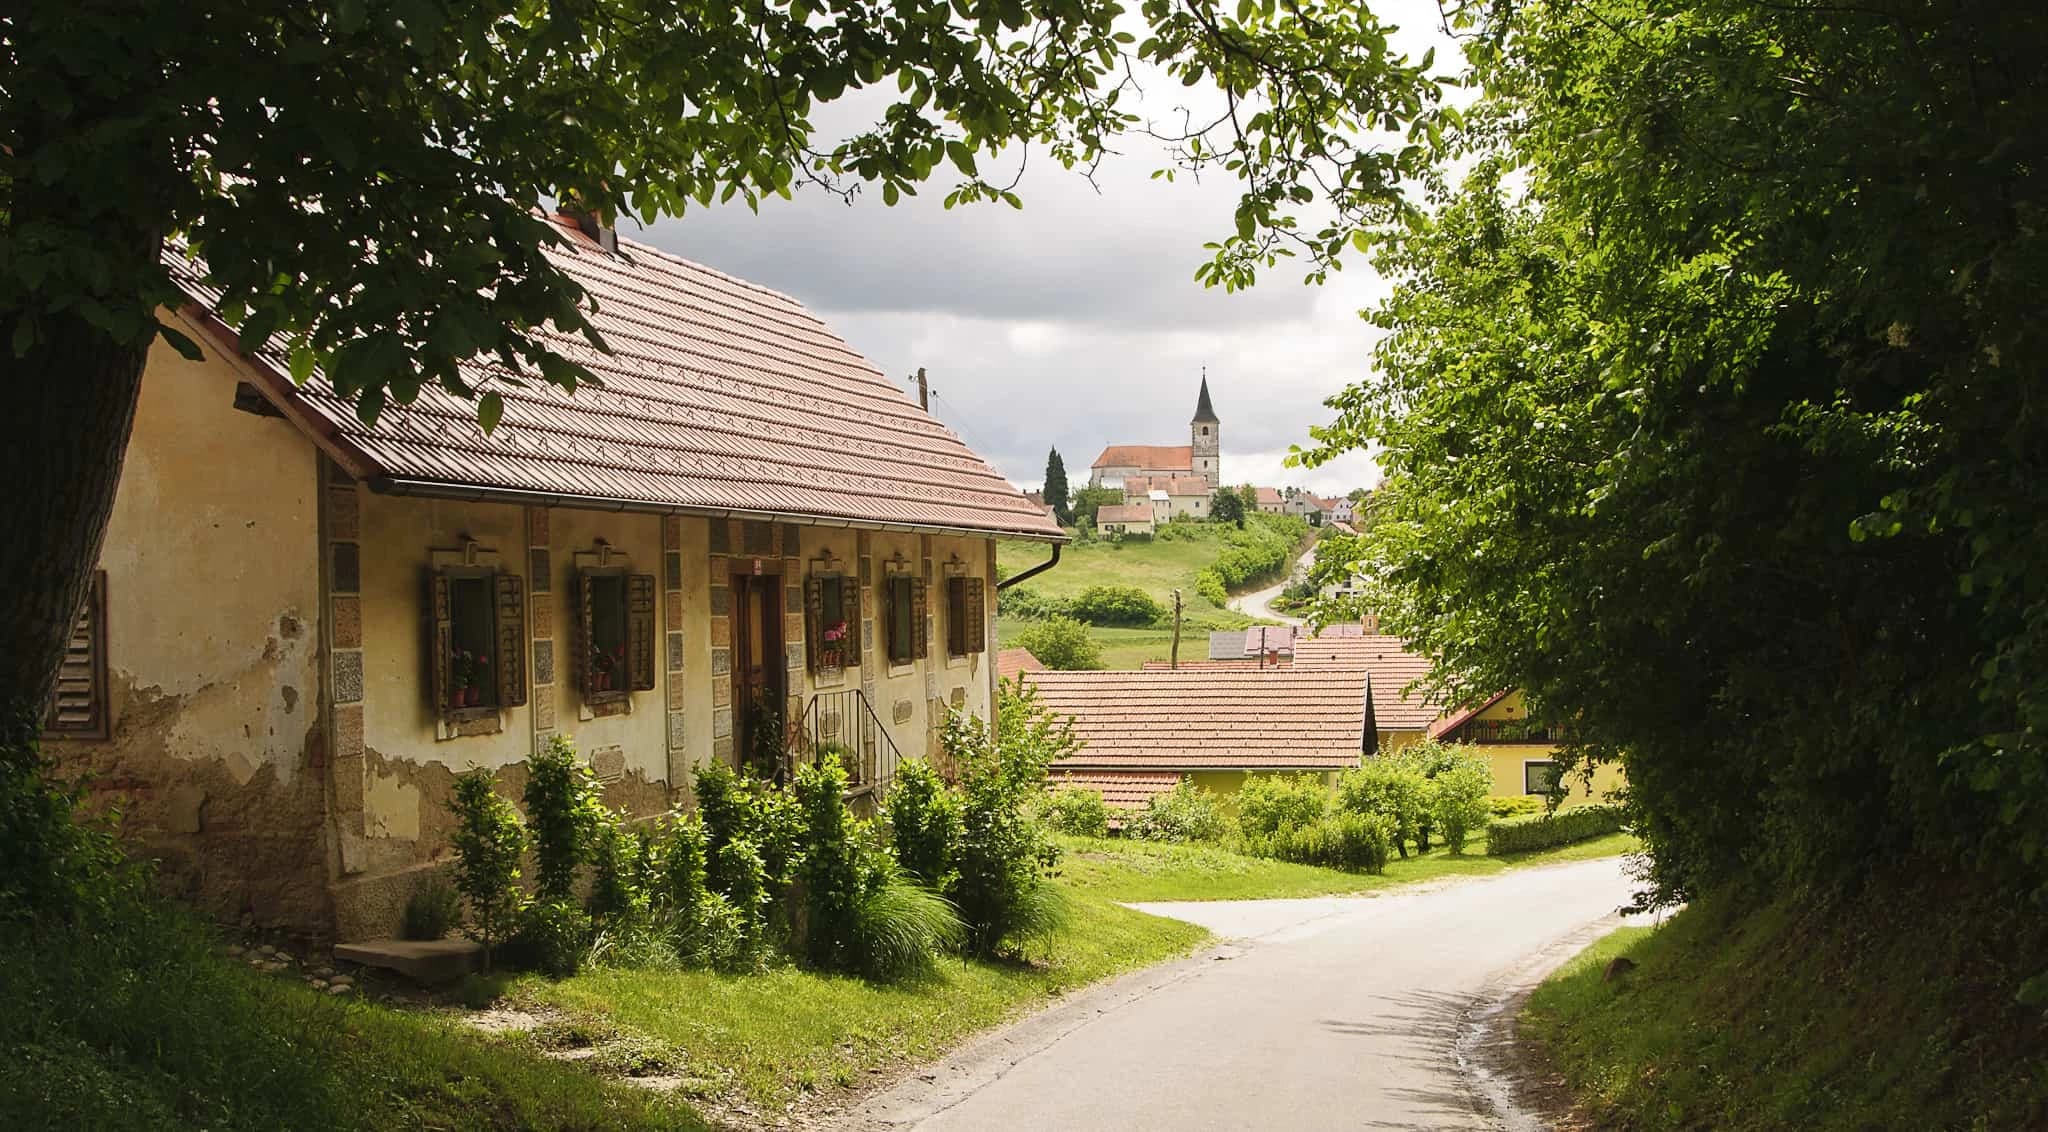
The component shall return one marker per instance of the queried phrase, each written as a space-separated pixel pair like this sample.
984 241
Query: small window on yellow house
1538 777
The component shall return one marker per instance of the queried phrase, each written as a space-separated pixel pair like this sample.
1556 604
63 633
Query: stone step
421 960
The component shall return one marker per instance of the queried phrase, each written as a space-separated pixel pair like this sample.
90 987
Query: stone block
675 651
344 513
543 700
421 960
758 539
795 652
792 540
721 598
903 710
677 736
721 633
608 763
347 575
542 615
672 608
721 750
721 536
671 532
676 690
539 570
543 662
721 692
793 625
348 731
347 620
958 697
348 675
721 722
672 569
537 526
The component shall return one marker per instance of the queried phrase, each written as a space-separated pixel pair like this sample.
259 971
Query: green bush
745 876
832 880
924 822
738 806
900 927
1431 758
1074 810
563 812
1514 805
1114 605
1542 831
1061 643
489 842
1002 856
433 909
1353 842
554 936
1457 802
1209 584
1027 604
1268 803
1389 790
676 874
1187 813
617 889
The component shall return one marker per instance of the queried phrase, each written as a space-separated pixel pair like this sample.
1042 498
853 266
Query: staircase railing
846 724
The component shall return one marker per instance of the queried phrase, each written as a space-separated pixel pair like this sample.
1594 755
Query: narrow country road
1325 1013
1259 604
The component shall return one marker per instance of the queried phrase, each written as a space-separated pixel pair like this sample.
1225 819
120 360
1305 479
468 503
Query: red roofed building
1201 457
305 626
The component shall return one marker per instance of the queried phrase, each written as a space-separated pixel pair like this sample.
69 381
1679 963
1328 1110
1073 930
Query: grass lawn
768 1039
1871 1012
1141 870
140 1023
1126 648
1156 567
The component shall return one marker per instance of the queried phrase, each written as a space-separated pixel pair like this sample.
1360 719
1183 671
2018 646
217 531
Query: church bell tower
1206 433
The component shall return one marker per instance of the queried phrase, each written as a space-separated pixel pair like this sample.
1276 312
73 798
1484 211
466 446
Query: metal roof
719 397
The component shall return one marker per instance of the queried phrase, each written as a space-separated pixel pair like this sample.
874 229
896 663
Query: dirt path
1333 1012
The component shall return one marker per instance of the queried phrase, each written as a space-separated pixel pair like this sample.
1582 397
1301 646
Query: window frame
487 581
101 723
902 606
1556 775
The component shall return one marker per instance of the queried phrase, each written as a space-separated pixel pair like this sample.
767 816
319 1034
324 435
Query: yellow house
1521 751
304 627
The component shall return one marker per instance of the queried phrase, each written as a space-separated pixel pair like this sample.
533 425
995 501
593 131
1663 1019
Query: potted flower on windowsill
467 671
832 647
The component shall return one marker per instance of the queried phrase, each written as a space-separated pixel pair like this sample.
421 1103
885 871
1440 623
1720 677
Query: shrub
676 880
1026 604
1114 605
1354 842
617 891
1001 858
739 863
1184 814
737 806
900 926
831 873
1430 758
1457 802
1542 831
489 842
924 821
718 937
433 909
1268 803
563 811
1514 805
1075 810
1389 790
1061 643
1209 585
554 936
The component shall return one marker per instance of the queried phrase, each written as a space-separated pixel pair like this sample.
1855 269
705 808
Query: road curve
1326 1013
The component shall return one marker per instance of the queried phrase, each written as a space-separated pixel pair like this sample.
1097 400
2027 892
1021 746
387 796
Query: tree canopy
1057 494
1710 416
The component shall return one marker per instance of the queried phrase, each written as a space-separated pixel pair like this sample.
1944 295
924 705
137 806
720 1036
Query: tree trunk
68 405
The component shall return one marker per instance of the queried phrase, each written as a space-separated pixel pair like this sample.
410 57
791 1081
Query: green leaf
488 412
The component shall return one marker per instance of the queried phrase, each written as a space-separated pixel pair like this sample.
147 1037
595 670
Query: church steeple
1206 434
1205 412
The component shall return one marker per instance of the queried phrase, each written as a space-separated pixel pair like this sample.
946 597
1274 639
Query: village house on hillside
1201 458
303 628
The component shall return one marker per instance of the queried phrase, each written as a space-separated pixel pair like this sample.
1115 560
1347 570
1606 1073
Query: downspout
1035 571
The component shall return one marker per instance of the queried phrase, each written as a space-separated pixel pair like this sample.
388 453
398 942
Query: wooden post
1174 660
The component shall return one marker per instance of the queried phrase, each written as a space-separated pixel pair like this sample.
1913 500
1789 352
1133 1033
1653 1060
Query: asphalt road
1327 1013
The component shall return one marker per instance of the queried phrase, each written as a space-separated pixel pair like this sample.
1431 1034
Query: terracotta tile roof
1011 663
1150 457
1238 719
1171 485
1238 665
721 397
1270 497
1123 513
1120 789
1392 666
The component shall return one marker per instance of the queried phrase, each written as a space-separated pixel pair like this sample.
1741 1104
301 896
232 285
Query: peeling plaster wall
213 650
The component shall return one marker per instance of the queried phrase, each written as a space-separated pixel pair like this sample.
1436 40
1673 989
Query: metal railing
1508 731
844 723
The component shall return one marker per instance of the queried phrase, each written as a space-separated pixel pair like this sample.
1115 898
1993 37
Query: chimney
589 223
1370 622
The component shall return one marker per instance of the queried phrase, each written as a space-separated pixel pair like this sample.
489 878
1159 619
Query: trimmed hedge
1542 831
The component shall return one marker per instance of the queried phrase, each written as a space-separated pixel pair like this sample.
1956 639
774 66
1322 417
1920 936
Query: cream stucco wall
213 647
1509 760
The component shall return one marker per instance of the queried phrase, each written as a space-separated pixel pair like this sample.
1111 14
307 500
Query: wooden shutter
586 672
920 625
511 627
79 708
849 607
640 630
814 617
440 640
977 617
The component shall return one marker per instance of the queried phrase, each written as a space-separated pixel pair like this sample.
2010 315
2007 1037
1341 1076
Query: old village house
303 628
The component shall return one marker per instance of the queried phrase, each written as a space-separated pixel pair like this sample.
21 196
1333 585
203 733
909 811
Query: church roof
1171 485
1124 513
1203 410
1148 457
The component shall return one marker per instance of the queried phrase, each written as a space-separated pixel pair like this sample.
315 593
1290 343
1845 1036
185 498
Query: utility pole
924 391
1174 660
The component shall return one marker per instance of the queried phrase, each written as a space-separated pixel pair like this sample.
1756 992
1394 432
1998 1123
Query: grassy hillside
1809 1014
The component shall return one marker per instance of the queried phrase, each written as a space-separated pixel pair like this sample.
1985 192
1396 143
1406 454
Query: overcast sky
1076 321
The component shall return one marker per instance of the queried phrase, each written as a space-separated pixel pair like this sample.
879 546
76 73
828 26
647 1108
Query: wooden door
758 679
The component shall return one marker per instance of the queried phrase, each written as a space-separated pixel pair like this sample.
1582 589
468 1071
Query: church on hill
1200 458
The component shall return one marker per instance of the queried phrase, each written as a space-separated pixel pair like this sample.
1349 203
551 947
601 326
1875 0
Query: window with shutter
920 616
977 616
902 614
614 633
956 617
476 641
849 605
79 707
